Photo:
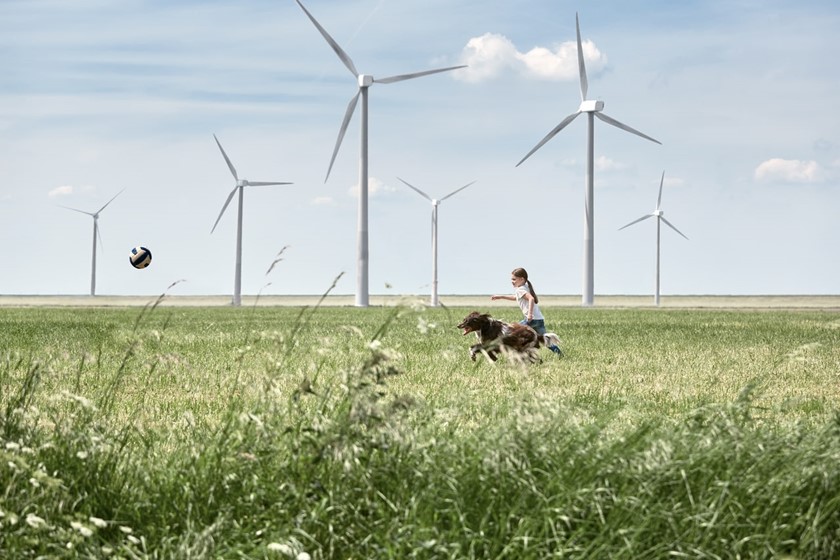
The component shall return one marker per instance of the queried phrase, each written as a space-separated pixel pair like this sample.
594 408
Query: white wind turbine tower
592 108
659 215
240 187
96 234
435 203
364 82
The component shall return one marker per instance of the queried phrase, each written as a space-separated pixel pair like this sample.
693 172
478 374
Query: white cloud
492 55
375 187
323 201
603 163
486 56
790 171
63 190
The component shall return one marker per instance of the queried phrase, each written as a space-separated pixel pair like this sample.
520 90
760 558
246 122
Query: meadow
336 432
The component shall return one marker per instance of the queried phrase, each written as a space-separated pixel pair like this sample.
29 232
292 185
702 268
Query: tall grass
344 433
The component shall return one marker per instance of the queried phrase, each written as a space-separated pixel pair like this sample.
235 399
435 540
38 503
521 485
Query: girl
526 297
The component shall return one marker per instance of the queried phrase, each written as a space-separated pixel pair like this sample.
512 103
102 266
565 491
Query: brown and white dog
496 337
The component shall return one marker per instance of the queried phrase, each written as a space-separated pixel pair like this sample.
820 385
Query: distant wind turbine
364 82
592 108
96 235
659 215
240 186
435 203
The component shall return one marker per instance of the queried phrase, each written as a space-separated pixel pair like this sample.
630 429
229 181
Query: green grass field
273 432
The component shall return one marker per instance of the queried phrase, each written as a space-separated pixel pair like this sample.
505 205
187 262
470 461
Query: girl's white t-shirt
524 303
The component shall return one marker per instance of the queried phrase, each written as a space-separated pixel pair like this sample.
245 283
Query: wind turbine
240 187
96 234
659 215
364 82
435 203
592 108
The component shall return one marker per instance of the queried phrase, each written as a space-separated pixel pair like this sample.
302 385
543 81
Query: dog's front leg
474 349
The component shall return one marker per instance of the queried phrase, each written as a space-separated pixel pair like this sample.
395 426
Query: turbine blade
338 50
672 226
418 191
99 235
229 198
661 182
227 159
550 135
401 77
351 107
622 126
645 217
453 193
77 210
584 83
264 184
109 202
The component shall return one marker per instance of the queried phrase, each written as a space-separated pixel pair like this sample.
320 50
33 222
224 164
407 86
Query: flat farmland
307 428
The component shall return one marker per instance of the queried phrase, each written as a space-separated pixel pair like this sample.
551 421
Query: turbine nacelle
591 106
365 80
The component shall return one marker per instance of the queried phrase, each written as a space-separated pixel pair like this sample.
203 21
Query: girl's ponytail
533 293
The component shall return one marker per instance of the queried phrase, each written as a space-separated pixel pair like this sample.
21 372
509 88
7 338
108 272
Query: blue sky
99 96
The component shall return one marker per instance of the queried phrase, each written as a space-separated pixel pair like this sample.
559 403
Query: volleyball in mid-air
140 257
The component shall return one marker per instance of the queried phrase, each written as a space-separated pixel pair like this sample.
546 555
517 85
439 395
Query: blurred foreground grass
368 433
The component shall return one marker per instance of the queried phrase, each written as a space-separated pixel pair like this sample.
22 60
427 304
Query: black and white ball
140 257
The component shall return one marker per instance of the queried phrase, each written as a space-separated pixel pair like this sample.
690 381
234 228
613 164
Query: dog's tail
552 341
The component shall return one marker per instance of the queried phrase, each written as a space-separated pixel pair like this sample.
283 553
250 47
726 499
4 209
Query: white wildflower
375 344
34 521
248 417
12 446
303 556
424 326
82 455
86 403
97 522
34 483
282 548
126 530
133 539
84 530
